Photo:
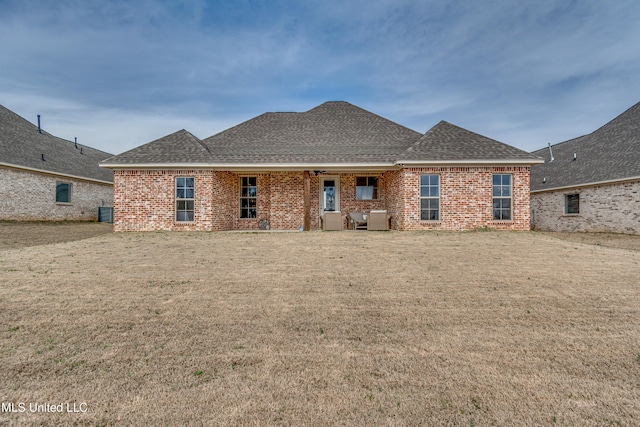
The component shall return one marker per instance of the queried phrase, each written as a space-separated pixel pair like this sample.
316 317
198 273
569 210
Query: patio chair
358 220
378 220
332 221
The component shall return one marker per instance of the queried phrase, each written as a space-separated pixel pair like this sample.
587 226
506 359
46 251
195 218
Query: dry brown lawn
20 234
333 328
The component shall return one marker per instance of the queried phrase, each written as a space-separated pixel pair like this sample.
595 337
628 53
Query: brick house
43 177
591 183
284 171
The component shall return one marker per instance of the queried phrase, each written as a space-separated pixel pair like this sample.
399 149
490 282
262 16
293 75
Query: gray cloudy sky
117 74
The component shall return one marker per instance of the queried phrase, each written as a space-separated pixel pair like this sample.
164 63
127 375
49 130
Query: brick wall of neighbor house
465 198
29 196
144 200
609 207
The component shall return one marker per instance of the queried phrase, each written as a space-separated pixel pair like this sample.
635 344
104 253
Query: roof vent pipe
75 141
39 128
550 153
575 156
42 157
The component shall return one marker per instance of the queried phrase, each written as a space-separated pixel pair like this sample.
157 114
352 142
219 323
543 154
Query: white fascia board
488 162
588 184
48 172
156 166
324 167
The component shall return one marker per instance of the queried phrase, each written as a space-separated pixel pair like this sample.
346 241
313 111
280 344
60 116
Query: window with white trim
185 195
502 197
430 197
366 188
63 192
248 197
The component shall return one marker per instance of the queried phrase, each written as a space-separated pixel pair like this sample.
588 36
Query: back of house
291 171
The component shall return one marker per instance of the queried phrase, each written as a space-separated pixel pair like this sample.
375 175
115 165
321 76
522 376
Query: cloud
525 73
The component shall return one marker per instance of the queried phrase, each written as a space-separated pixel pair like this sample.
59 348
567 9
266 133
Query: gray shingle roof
447 142
612 152
179 147
22 145
336 133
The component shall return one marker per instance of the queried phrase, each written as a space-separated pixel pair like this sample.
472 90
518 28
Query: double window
185 195
430 197
248 197
572 203
366 188
63 192
502 197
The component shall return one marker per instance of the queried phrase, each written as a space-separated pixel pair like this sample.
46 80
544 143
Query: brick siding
465 198
145 200
609 207
31 196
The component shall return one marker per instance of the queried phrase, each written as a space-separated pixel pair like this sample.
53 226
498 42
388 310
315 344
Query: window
572 203
248 197
63 192
185 194
501 197
366 188
430 197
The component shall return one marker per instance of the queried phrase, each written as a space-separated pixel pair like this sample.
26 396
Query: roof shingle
333 132
336 133
178 147
447 142
610 153
22 145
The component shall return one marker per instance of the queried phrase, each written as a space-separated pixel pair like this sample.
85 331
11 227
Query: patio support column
307 201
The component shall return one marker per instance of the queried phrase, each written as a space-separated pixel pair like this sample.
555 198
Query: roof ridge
198 140
439 141
235 127
357 107
598 130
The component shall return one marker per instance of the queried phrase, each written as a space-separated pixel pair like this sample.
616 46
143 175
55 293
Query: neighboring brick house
592 183
43 177
285 170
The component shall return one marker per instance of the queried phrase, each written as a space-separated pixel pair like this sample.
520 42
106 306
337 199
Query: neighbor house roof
611 153
335 134
23 147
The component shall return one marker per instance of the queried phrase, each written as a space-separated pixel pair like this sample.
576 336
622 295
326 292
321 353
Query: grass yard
320 328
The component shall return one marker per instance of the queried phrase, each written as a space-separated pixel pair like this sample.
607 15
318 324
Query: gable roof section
333 135
611 153
449 143
21 146
179 147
